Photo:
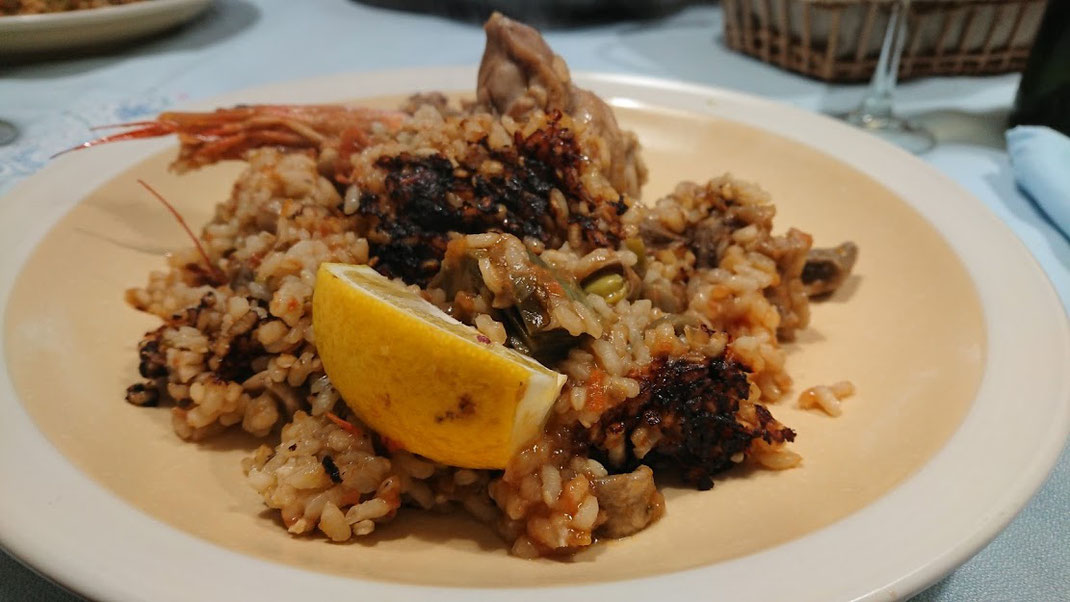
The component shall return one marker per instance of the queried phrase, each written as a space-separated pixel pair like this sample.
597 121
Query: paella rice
516 214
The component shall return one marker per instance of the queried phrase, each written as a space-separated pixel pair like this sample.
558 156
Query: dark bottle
1044 92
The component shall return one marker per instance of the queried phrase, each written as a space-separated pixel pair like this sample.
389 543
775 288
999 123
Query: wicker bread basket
839 40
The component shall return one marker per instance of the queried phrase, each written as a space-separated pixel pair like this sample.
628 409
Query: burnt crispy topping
427 197
332 469
153 362
693 404
230 358
555 147
416 213
236 364
143 394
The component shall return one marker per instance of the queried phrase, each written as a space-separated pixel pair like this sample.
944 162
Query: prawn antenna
215 271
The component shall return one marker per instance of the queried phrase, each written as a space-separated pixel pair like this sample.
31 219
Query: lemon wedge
431 384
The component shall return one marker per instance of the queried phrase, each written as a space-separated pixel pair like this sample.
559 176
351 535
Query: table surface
242 43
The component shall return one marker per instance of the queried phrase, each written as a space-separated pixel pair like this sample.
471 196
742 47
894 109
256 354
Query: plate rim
913 574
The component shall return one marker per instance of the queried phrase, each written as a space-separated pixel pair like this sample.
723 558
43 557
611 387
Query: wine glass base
8 133
900 132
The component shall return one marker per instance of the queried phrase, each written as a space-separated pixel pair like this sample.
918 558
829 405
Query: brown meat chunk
827 269
631 502
519 72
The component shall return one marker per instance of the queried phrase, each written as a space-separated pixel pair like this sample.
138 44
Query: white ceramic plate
66 524
94 27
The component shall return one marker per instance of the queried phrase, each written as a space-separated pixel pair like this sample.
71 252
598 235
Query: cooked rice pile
665 319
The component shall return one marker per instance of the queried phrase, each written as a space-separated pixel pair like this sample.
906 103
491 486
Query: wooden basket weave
839 40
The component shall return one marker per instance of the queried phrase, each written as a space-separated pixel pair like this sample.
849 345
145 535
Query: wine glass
8 132
875 113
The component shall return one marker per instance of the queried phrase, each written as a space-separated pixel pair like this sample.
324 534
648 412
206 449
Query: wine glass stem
878 101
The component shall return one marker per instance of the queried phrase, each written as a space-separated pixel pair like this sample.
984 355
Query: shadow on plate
844 293
435 529
803 338
431 528
229 440
459 528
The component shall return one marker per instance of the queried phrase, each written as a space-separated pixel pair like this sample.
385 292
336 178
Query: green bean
610 287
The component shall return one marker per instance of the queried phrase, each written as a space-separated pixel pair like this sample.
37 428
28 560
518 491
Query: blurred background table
242 43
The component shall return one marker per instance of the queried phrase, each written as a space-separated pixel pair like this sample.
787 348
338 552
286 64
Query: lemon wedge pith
421 378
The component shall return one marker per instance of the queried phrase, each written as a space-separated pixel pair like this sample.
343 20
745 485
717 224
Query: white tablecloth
241 43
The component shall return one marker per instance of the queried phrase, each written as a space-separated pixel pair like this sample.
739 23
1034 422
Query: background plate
93 27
